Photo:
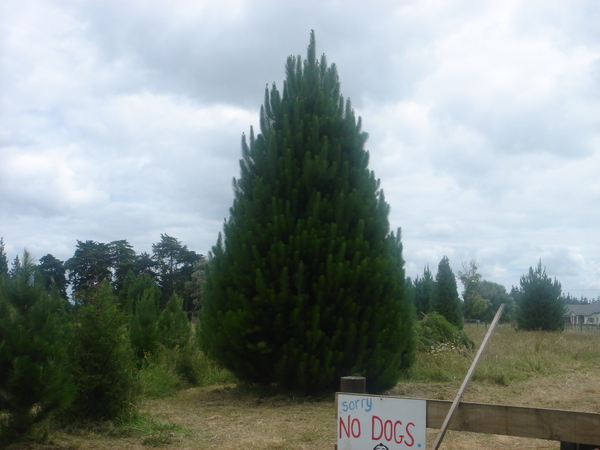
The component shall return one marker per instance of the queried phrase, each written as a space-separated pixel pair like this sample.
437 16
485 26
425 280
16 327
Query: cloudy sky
122 120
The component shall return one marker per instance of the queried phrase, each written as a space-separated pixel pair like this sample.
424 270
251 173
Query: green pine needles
34 375
445 295
306 283
540 306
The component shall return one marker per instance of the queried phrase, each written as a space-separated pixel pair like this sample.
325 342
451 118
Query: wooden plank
467 379
535 423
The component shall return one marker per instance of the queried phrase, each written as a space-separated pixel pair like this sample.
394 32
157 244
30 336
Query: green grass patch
511 356
153 432
165 372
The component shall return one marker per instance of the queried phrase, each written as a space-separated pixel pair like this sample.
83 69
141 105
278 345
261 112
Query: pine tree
123 260
16 268
53 271
445 298
144 325
88 267
133 291
424 289
175 266
540 306
3 259
101 358
173 325
306 284
34 379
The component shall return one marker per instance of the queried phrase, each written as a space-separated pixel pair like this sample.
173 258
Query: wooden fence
536 423
575 430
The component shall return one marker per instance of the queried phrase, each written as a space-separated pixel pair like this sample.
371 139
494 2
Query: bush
434 331
166 371
159 376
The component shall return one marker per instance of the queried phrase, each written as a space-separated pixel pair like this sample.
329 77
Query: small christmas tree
445 294
101 358
540 307
144 325
173 325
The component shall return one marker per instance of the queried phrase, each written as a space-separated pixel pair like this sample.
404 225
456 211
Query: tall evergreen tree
15 268
134 289
540 306
3 259
89 266
424 289
175 265
123 261
516 294
54 271
194 288
145 265
306 283
143 329
173 325
445 298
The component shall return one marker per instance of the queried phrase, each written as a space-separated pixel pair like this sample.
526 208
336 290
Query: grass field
547 370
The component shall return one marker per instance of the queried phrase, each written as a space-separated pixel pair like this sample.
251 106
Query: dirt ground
222 418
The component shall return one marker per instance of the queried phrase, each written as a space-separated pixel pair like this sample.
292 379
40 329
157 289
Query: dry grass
519 368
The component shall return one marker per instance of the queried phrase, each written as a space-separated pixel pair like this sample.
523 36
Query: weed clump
436 335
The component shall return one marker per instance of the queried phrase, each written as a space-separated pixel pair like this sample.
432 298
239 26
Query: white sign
380 423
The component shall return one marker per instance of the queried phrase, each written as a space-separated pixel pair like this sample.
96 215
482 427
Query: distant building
583 314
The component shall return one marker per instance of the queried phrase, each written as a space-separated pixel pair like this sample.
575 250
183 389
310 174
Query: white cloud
123 121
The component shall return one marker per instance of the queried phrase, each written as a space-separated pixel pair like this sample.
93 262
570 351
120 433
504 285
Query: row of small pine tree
81 361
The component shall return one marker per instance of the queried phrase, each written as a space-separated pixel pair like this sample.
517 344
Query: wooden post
353 385
462 389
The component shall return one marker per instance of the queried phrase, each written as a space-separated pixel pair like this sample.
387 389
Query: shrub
434 331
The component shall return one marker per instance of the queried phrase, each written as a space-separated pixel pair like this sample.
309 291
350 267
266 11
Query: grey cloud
138 108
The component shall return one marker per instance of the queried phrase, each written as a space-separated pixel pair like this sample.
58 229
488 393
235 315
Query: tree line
171 265
538 303
78 357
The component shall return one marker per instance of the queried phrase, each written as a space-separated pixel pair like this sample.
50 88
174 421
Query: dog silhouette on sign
380 446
